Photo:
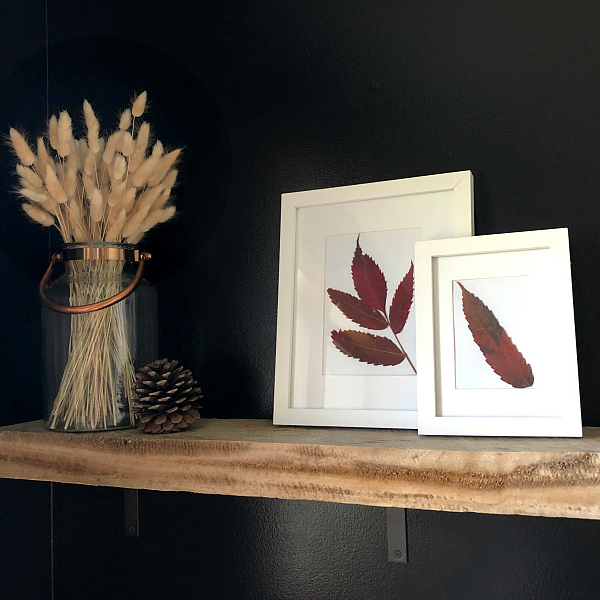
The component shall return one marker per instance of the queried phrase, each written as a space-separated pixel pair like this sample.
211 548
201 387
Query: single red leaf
369 281
498 349
367 348
402 301
357 311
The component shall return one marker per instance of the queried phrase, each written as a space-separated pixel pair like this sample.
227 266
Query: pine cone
167 399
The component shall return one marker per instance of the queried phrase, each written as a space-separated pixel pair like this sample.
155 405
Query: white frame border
460 183
568 423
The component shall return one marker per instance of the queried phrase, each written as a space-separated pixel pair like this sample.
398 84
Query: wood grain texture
545 477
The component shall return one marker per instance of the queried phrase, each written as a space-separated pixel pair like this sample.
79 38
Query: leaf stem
399 344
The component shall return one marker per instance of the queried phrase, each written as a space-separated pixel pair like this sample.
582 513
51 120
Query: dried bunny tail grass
114 232
116 193
89 166
32 195
128 199
103 175
75 219
93 127
166 214
134 222
81 153
111 146
38 215
21 148
169 181
141 144
139 105
147 167
52 207
96 205
30 176
157 216
163 167
125 120
153 219
88 185
71 177
147 198
119 167
65 134
54 186
136 238
53 132
126 145
43 159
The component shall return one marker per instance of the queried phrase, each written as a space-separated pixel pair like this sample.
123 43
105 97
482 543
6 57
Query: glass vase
99 325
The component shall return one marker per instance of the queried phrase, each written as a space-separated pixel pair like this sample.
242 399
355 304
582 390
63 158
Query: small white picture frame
321 230
509 373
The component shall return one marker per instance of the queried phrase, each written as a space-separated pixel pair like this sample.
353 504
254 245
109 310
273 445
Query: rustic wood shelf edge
526 476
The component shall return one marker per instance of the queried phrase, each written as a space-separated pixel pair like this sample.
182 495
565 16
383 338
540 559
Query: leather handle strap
87 308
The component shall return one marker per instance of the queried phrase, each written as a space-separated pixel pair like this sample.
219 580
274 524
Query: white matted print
488 362
346 337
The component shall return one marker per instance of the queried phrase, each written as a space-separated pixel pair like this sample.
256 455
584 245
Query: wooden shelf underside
542 476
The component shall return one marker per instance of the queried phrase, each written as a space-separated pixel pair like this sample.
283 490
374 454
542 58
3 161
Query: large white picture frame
496 346
327 236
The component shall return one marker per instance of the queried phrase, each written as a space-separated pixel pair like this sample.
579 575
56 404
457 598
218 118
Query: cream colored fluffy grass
112 187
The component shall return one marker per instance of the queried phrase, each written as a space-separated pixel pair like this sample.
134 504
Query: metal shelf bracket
396 535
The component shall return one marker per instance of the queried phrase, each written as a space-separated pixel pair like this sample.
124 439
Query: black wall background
271 97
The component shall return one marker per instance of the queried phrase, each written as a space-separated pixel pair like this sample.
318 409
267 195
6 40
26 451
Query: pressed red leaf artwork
402 301
498 349
369 311
369 282
368 348
356 310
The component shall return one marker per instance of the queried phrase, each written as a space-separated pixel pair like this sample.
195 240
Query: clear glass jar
90 358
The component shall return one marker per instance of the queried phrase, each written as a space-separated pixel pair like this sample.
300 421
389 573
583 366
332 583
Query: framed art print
496 346
346 333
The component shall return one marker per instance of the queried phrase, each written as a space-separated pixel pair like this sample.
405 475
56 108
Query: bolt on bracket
396 535
132 515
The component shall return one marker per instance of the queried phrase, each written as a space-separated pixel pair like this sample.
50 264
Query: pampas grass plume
21 148
38 215
139 105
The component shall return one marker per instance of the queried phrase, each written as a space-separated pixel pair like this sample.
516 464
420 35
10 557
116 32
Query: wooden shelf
544 476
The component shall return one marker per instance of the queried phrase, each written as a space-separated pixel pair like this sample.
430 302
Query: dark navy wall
271 97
